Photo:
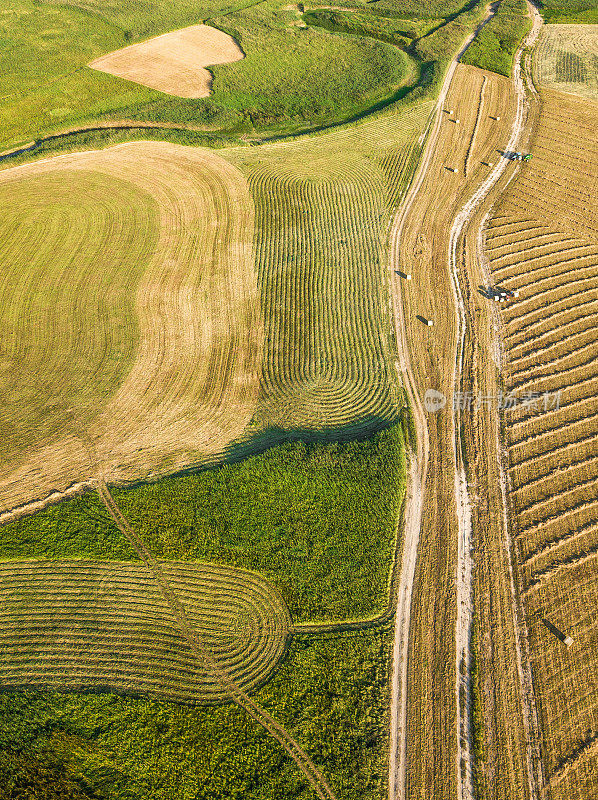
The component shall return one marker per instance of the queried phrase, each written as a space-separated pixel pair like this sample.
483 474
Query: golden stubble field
484 105
173 62
543 240
566 59
131 318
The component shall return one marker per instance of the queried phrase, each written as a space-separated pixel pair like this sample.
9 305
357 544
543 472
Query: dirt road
427 503
419 463
465 565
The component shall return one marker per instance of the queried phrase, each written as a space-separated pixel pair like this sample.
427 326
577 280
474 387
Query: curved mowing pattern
322 209
79 625
130 314
567 59
543 241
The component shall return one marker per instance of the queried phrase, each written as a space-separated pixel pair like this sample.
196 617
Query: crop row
543 241
105 625
322 210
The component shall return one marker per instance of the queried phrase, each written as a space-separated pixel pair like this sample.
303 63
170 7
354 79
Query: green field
495 47
319 521
569 11
295 76
291 76
331 692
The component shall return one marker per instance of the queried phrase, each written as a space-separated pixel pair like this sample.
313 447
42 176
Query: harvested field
172 365
173 62
567 59
130 315
105 626
543 240
482 106
322 209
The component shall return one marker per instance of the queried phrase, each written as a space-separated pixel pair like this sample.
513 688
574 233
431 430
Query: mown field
131 335
566 59
155 368
331 692
483 103
104 626
543 240
322 208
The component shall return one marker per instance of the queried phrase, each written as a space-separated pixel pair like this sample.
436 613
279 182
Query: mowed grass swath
323 205
131 315
329 690
543 241
157 368
105 626
567 59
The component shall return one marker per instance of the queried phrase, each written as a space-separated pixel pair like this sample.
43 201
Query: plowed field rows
130 315
543 241
74 625
322 210
567 59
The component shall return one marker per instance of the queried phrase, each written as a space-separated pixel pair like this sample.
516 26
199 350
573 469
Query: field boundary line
256 712
476 126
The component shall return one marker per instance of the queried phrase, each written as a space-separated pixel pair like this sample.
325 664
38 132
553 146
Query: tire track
463 501
218 674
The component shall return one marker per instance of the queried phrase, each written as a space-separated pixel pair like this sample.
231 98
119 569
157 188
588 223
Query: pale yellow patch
174 62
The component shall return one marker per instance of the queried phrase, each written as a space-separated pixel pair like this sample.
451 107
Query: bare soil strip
174 62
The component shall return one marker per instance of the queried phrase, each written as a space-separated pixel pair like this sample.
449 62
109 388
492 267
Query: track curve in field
131 316
105 626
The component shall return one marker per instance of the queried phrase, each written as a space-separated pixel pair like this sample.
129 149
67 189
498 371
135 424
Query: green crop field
567 59
331 691
569 11
319 521
495 47
291 76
